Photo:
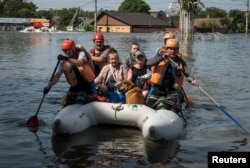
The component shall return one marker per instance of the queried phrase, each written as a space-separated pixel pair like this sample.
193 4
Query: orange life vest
104 61
158 74
87 69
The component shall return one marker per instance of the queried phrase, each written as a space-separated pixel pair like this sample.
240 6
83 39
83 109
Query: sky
155 5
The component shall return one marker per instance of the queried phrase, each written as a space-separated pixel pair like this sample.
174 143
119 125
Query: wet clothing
130 60
164 84
137 77
80 92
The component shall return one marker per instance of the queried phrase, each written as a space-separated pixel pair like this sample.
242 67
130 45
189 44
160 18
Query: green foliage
225 22
134 6
204 24
17 8
241 27
211 12
237 15
88 27
209 24
190 5
213 24
214 12
199 13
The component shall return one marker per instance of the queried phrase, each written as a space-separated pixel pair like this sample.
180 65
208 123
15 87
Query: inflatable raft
155 124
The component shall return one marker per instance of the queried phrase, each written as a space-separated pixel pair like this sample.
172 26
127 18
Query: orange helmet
168 35
98 36
68 44
173 43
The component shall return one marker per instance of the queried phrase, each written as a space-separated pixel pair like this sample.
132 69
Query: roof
134 18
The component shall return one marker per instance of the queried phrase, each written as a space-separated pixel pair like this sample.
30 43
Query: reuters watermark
229 159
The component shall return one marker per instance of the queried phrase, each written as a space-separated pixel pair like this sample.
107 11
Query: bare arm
129 75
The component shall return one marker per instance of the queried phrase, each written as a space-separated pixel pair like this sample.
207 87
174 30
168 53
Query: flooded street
28 60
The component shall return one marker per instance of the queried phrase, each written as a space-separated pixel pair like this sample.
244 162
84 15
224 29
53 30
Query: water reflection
108 145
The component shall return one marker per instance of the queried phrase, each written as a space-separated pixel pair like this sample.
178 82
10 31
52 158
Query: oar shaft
41 102
208 95
219 106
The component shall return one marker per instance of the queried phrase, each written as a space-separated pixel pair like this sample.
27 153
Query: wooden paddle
33 121
187 98
218 105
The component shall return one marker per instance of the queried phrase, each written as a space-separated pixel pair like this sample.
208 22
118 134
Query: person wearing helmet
99 53
166 78
168 35
69 65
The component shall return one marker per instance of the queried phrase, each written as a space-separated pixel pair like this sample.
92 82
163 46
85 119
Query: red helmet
98 36
68 44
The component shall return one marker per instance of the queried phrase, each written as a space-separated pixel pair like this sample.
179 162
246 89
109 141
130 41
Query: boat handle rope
117 109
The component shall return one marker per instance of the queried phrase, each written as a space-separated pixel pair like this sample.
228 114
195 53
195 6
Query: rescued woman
110 77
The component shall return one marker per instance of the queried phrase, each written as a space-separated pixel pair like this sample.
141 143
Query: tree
17 8
238 15
65 16
134 6
239 18
190 5
212 12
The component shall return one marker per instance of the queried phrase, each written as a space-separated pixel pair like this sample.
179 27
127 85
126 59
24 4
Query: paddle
188 99
219 106
33 121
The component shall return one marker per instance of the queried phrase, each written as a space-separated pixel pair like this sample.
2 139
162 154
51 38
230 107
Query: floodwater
27 61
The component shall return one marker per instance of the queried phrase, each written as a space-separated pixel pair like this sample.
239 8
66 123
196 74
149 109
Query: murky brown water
26 64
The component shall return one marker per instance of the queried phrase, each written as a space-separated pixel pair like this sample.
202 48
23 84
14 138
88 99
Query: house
172 20
211 25
129 22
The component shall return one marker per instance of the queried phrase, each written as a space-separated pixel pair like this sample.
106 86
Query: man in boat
162 50
131 58
167 78
99 54
76 66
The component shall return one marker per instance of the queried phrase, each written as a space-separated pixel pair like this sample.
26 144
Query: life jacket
99 65
166 76
179 76
87 69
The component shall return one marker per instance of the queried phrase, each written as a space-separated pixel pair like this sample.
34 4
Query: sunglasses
172 48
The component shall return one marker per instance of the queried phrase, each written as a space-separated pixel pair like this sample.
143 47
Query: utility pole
95 27
247 14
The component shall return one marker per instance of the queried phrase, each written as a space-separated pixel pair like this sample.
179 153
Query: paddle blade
232 118
32 122
189 100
